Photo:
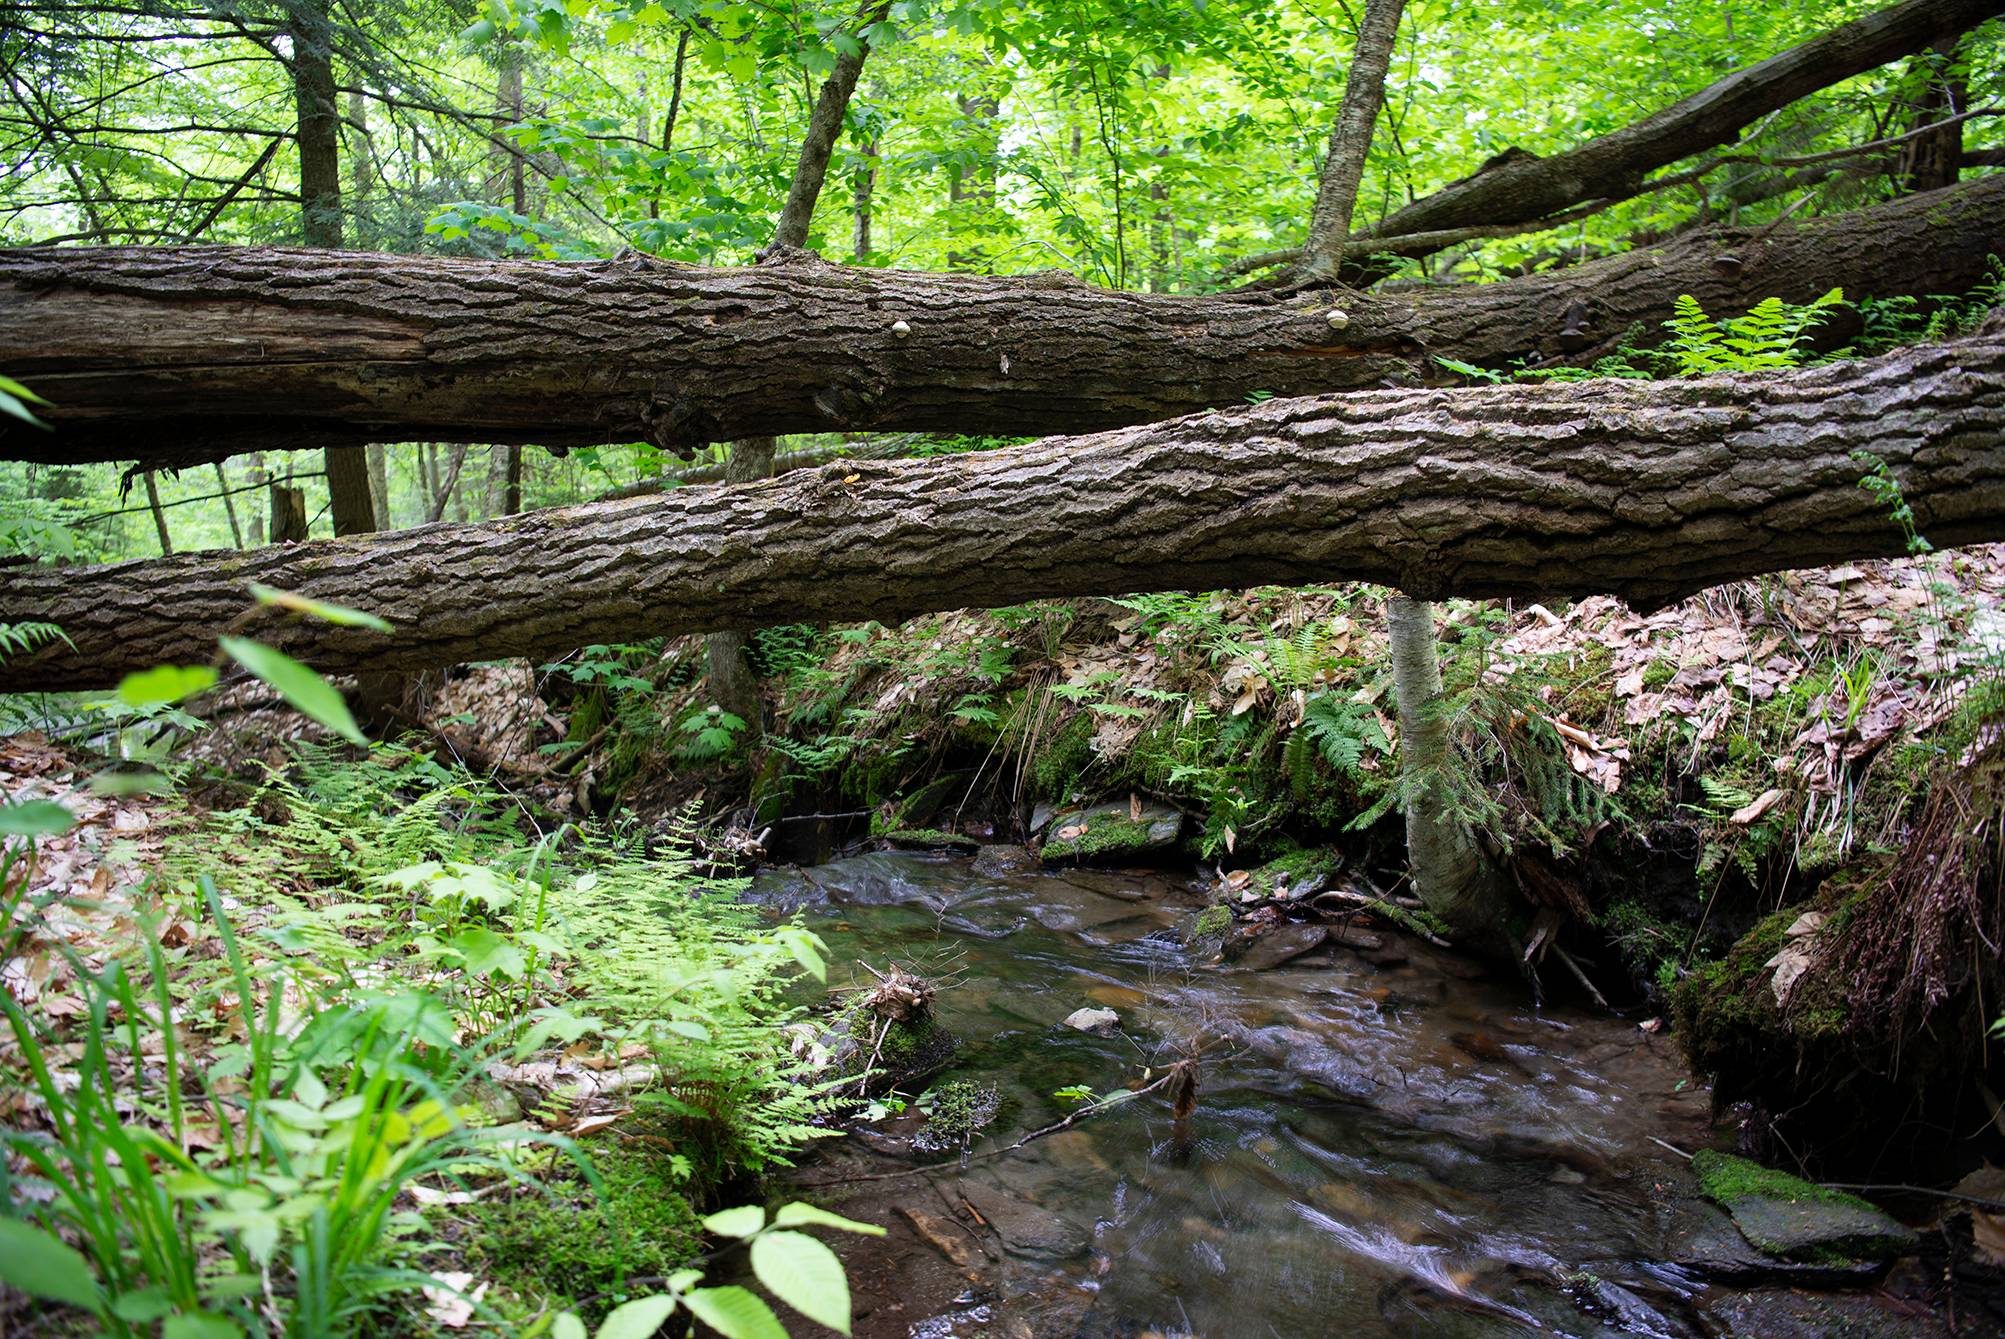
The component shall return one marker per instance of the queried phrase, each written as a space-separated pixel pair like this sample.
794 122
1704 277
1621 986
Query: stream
1384 1143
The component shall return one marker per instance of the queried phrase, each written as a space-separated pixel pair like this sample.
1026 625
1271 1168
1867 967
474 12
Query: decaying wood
1645 490
182 355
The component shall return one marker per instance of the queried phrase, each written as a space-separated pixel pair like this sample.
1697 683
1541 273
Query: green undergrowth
1725 1179
369 959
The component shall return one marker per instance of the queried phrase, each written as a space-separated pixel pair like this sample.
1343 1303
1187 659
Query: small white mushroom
1339 318
900 329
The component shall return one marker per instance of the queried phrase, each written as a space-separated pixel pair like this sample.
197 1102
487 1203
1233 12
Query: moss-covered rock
1112 832
1795 1219
931 839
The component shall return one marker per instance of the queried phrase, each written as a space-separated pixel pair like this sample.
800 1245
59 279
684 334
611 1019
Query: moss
928 837
1293 867
563 1241
1104 833
1213 920
1062 758
1725 1178
1658 673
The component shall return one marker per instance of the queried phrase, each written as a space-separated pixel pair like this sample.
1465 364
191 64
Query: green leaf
35 818
567 1326
797 1214
296 684
166 683
40 1266
735 1313
804 1274
200 1325
742 1221
487 953
638 1319
338 614
142 1307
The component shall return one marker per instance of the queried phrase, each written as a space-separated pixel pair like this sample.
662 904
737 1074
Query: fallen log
174 356
1647 490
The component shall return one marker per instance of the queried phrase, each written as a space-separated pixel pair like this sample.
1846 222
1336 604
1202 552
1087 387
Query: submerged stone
1093 1020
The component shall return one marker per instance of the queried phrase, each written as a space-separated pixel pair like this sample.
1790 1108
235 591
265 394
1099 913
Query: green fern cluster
1770 336
1335 732
20 638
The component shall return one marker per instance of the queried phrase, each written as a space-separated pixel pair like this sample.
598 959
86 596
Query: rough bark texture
1517 187
201 352
1350 139
1450 874
1646 490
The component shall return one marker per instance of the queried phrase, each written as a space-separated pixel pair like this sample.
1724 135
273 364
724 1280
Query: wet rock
1617 1306
1793 1314
1102 1022
918 808
1356 937
930 839
1026 1228
1795 1219
1709 1245
1005 860
1107 883
1113 832
1208 933
944 1235
1281 945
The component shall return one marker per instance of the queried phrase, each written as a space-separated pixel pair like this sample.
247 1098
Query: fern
20 638
1768 337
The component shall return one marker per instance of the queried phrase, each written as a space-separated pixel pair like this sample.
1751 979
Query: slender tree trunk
866 186
379 483
229 505
1935 160
187 355
1646 490
260 476
159 515
511 490
1451 875
1350 140
674 110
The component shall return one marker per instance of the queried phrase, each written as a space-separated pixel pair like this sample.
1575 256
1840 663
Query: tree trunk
1518 187
379 483
1934 160
350 502
229 505
312 35
1450 872
288 515
1649 491
733 686
1350 140
824 124
202 352
866 185
159 514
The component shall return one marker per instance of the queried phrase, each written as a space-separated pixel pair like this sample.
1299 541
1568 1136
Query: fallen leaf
1748 813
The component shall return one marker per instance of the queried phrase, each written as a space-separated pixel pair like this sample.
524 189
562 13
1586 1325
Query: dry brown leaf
1749 813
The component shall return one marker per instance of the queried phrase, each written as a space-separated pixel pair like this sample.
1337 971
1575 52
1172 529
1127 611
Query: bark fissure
1645 490
199 353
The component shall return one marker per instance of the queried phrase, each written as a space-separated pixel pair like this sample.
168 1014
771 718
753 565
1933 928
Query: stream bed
1384 1141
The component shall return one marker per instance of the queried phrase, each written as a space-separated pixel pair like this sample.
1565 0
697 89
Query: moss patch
1104 834
1725 1178
563 1241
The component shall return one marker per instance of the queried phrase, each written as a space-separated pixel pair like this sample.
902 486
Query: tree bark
229 505
159 514
1350 140
824 124
1450 873
1518 187
202 352
1649 491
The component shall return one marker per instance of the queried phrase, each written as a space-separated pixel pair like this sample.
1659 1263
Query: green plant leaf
164 683
567 1326
638 1319
735 1313
804 1274
338 614
35 818
742 1221
798 1214
41 1266
200 1325
487 953
297 684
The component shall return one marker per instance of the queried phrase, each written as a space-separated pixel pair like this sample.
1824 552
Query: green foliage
1770 336
20 638
1338 732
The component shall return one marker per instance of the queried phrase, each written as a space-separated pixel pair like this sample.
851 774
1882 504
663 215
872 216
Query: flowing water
1381 1145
